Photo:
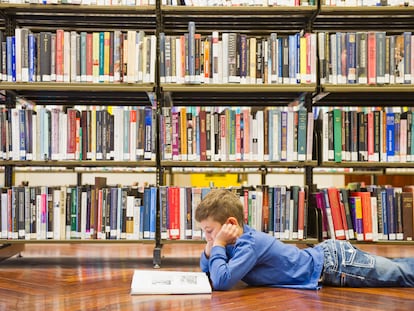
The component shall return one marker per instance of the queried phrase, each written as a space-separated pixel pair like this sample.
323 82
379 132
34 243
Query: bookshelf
386 94
80 18
253 22
174 20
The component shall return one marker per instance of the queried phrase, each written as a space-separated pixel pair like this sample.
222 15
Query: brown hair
220 204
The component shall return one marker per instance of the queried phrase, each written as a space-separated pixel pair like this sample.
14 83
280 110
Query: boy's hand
228 234
207 249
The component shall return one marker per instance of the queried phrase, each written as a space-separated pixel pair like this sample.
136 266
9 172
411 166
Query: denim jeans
348 266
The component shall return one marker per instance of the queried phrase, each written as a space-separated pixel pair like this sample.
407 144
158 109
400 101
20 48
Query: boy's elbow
220 285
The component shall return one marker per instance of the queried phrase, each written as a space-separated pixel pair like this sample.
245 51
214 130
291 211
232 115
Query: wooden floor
98 277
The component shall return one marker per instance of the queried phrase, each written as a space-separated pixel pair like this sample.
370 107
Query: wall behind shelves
325 180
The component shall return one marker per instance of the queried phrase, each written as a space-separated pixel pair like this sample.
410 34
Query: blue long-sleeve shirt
259 259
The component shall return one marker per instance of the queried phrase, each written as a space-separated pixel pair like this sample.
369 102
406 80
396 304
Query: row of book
115 56
84 2
367 134
350 3
366 57
99 211
280 211
70 56
237 134
78 212
206 133
365 3
77 133
237 58
236 3
372 213
112 212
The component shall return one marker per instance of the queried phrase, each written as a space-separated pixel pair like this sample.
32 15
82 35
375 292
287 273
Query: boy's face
211 228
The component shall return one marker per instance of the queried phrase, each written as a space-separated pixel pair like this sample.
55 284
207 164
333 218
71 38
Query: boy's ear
232 220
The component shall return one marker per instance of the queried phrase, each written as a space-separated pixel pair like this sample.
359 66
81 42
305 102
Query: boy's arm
205 256
204 262
226 273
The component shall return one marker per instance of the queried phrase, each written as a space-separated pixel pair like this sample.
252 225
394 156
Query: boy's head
219 205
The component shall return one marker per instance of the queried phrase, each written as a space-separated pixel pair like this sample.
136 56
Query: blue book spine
153 212
32 58
13 58
384 215
390 136
9 58
146 213
351 58
148 134
297 56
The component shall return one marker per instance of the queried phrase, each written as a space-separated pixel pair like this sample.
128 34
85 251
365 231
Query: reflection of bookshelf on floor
151 282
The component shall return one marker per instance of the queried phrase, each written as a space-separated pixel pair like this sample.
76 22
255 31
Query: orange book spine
366 214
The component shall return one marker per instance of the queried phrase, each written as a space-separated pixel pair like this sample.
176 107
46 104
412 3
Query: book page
169 282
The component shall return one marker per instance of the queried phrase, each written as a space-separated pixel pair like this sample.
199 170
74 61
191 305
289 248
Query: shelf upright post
9 173
308 168
159 103
263 173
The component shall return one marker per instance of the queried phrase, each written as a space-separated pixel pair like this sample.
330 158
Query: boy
235 252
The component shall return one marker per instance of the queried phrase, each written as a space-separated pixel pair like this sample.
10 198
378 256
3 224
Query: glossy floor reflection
98 277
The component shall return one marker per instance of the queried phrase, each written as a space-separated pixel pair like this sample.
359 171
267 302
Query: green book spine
337 126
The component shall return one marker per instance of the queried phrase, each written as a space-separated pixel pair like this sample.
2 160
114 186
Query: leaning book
152 282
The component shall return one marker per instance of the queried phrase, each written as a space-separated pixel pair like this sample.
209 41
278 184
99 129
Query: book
161 282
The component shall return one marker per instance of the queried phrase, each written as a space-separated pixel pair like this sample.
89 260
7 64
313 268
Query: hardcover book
161 282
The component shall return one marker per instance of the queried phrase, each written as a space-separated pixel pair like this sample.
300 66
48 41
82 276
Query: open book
148 282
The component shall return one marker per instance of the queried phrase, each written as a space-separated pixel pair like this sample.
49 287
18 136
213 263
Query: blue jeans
347 266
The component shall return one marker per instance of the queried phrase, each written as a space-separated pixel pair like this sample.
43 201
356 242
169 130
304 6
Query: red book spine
333 195
174 213
59 54
301 215
372 58
89 56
